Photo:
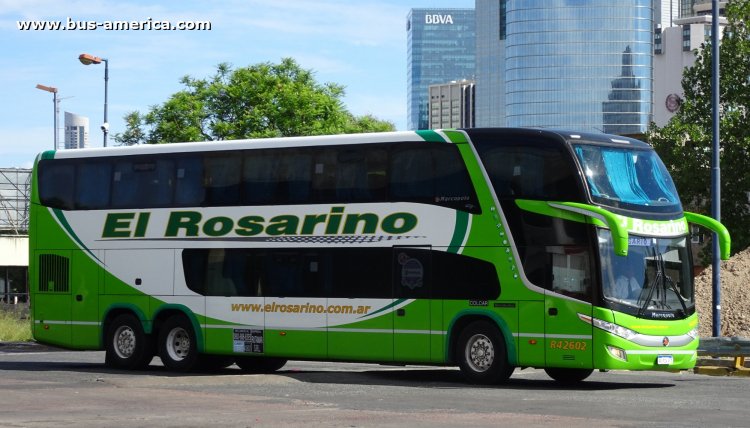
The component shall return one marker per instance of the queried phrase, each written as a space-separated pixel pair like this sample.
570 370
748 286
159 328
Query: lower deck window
382 273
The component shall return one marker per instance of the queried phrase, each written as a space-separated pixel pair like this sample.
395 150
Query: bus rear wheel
127 345
568 376
482 355
178 348
260 364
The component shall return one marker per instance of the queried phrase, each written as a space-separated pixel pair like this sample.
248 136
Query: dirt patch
735 297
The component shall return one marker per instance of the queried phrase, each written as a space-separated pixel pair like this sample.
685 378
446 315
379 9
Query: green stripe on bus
384 308
61 217
459 231
456 136
431 136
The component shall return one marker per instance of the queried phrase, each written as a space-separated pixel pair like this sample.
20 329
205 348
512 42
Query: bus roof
380 137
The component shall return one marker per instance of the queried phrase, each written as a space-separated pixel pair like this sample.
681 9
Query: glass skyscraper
576 64
490 72
440 49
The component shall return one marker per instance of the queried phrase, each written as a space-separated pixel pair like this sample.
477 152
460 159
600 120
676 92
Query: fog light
618 353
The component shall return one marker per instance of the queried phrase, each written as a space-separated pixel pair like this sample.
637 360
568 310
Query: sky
359 44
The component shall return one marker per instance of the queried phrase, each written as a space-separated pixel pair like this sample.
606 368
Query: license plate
664 360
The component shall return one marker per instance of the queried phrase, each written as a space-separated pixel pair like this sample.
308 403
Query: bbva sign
438 19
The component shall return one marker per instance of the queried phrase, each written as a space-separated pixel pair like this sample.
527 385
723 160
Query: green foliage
262 100
685 142
13 328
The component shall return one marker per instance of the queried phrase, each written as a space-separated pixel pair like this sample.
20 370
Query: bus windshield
627 178
652 281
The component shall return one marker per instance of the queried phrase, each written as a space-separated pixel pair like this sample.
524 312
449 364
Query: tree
685 142
262 100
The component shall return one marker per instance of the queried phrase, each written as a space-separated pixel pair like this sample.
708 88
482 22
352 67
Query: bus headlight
615 329
693 333
618 353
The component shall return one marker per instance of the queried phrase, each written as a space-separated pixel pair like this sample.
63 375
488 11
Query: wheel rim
480 353
178 344
124 342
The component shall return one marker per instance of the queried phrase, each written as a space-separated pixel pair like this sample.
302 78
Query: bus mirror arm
597 214
725 241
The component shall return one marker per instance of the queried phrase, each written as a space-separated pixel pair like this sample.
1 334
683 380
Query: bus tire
178 347
567 375
127 345
259 364
482 354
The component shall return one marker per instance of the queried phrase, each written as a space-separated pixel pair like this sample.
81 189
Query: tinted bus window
222 180
188 188
56 184
142 183
92 185
531 172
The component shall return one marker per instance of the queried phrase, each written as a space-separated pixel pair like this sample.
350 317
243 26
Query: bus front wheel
482 355
178 348
127 345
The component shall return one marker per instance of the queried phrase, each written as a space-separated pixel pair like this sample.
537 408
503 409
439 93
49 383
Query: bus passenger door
568 337
413 309
86 275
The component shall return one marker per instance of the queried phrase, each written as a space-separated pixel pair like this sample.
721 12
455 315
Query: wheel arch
167 311
464 318
124 308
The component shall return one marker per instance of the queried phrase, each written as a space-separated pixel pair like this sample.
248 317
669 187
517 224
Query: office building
452 105
582 64
440 48
76 131
674 50
490 63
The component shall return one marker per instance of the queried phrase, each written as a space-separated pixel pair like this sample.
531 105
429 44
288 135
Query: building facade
452 105
15 191
490 59
674 50
577 64
76 131
441 47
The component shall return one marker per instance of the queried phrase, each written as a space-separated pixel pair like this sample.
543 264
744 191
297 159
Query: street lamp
87 59
56 106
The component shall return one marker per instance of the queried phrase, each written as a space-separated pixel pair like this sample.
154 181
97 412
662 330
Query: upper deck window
628 178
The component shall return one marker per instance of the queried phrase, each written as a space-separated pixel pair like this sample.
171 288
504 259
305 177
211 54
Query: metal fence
15 191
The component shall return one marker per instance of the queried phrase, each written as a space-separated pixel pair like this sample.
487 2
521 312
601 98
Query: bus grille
53 273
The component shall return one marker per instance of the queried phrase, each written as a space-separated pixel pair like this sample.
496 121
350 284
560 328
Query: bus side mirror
725 241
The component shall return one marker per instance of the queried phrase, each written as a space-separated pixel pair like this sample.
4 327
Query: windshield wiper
673 287
652 287
664 282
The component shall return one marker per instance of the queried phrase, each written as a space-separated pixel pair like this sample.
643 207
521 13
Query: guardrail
735 348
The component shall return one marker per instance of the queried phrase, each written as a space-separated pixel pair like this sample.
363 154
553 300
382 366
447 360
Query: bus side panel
234 324
51 314
86 323
141 271
369 340
438 336
51 297
569 339
412 332
292 330
531 334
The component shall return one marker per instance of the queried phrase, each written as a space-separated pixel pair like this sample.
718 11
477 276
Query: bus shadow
446 379
411 377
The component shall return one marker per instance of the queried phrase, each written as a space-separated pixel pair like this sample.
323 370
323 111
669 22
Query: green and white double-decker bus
489 249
